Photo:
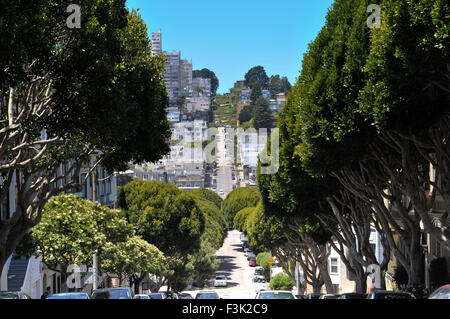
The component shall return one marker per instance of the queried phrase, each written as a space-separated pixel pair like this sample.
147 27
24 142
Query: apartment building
201 87
156 42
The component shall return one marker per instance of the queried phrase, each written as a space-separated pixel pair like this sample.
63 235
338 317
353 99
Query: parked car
207 295
141 296
252 262
13 295
220 281
246 250
275 294
329 296
258 275
313 296
69 295
353 295
157 295
112 293
172 295
185 295
441 293
250 255
387 294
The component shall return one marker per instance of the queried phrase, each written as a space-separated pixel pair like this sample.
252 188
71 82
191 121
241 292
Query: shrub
281 281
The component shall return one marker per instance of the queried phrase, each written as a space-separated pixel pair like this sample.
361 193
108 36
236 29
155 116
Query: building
200 103
29 274
173 114
172 76
201 87
186 77
240 84
156 42
281 101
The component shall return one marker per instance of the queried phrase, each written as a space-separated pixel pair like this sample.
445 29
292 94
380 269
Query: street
224 161
235 266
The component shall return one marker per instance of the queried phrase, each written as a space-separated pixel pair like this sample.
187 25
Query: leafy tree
275 85
285 85
240 219
262 114
206 194
97 88
256 93
207 74
204 263
164 215
132 259
73 228
246 114
281 281
238 199
257 74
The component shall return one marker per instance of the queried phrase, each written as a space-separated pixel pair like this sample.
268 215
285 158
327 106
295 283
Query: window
333 265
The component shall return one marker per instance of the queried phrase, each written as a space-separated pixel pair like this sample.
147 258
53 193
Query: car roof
277 291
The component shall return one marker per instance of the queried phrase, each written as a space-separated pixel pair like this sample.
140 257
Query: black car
313 296
112 293
353 295
13 295
387 294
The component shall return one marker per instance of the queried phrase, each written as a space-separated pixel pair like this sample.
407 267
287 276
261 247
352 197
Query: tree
204 263
207 74
59 104
285 85
262 114
246 114
257 74
275 85
256 93
73 228
238 199
281 281
164 215
132 259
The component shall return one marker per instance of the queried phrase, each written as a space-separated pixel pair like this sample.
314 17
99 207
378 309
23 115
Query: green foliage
72 228
262 260
262 114
256 92
246 114
164 215
207 74
206 194
264 232
281 281
258 75
238 199
240 220
279 85
132 257
204 263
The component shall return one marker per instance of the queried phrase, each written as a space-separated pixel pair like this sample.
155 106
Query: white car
220 281
275 294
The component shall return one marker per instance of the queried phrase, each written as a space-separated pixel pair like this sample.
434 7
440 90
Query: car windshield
8 295
393 296
220 278
443 293
207 295
68 296
112 294
276 295
155 296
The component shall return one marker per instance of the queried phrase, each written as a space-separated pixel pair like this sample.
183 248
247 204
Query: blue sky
230 37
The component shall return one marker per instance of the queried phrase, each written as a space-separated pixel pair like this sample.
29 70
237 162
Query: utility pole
94 262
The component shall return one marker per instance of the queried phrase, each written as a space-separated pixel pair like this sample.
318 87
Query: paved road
235 266
224 164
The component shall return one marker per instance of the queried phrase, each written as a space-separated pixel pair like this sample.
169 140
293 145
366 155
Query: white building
156 42
173 114
195 104
202 86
